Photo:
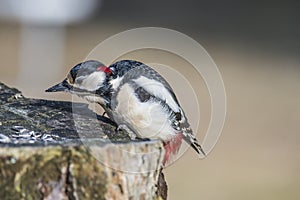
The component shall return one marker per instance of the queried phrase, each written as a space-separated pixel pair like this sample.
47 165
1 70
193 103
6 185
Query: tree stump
62 150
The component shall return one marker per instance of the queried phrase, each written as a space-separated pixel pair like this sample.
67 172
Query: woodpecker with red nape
137 98
88 80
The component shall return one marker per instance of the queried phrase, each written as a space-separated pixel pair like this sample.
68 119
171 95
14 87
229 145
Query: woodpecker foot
106 120
143 139
124 127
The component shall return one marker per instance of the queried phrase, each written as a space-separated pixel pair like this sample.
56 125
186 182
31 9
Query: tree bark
62 150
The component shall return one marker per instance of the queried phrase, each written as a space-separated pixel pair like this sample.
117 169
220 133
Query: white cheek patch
91 82
158 90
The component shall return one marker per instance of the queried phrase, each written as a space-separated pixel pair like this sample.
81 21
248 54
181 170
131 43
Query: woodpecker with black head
137 98
88 80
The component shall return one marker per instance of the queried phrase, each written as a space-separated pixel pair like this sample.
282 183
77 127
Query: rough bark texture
62 150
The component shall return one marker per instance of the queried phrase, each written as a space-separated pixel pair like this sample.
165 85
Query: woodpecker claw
124 127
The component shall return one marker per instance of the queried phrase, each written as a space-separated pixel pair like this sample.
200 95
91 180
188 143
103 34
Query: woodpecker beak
61 87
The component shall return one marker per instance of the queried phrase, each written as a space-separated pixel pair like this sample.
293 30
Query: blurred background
255 44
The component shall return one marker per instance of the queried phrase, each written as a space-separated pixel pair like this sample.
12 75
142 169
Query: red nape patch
171 148
104 69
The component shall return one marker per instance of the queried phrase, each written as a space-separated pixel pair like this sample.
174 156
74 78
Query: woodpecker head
85 79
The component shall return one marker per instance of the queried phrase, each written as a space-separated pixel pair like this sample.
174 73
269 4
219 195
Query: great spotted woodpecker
136 97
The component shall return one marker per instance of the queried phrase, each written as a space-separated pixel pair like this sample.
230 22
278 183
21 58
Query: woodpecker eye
113 70
70 79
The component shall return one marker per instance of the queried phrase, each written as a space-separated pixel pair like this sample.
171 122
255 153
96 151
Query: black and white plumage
136 97
152 110
88 80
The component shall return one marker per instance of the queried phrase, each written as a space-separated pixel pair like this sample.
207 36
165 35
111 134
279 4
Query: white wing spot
158 90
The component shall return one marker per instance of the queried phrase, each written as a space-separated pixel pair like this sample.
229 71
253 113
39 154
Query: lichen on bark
46 152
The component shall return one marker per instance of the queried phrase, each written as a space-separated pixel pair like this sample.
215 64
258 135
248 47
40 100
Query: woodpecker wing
150 80
149 85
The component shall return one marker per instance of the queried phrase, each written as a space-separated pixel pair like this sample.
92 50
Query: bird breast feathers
148 119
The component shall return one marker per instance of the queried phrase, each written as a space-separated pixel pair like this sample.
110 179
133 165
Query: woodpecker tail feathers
190 139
